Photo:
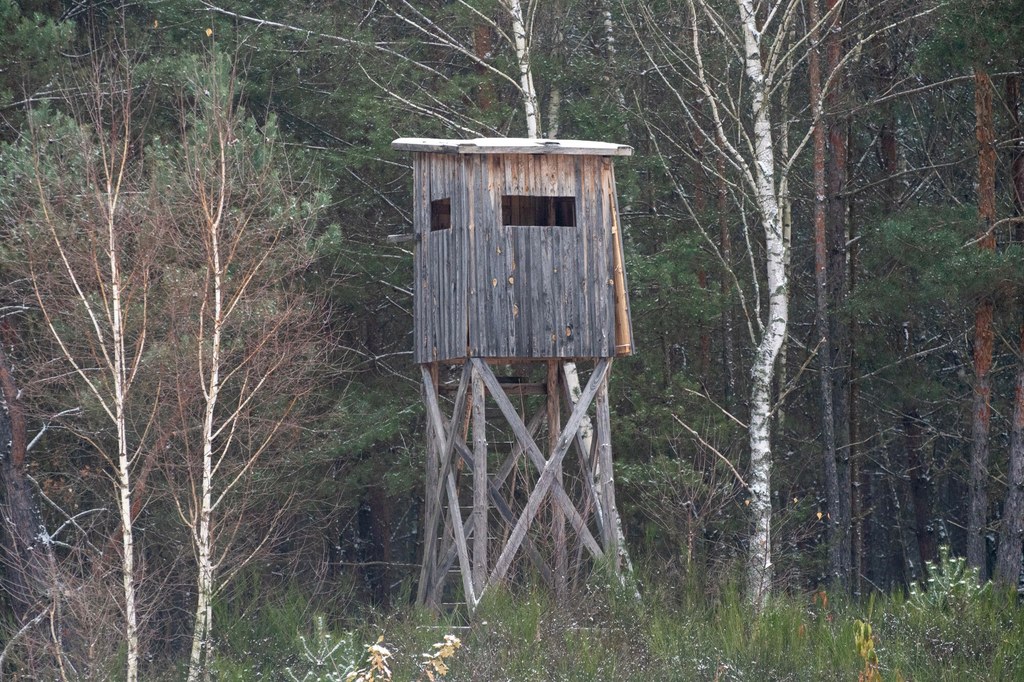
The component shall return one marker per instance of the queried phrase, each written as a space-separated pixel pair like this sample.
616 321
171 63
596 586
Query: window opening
542 211
440 214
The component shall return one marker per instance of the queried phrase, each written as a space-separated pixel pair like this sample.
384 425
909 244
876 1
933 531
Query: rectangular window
538 211
440 214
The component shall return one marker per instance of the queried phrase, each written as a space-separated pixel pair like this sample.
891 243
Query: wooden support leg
469 539
547 477
479 520
430 512
444 440
533 452
500 506
557 517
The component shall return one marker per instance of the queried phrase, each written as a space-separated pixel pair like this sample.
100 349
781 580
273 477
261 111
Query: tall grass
692 630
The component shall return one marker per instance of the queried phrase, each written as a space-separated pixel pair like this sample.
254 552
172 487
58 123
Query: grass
675 632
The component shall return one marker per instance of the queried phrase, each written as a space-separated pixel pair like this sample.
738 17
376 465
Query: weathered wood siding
441 262
489 290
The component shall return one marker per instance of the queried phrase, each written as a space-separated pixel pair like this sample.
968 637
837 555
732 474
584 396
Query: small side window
538 211
440 214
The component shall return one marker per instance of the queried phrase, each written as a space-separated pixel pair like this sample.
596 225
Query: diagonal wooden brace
548 468
448 437
501 506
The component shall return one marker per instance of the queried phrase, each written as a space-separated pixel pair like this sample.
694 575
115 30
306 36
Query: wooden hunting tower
518 276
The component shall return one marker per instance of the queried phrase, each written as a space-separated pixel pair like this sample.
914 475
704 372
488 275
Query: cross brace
449 456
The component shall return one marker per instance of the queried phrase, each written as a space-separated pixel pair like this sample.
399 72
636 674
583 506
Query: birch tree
91 279
242 329
739 114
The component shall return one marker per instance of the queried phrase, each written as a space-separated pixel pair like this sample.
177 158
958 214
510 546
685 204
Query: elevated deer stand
518 267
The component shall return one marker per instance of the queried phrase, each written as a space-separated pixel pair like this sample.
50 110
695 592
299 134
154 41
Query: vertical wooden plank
484 282
557 517
480 504
463 245
550 166
418 262
423 260
493 281
439 190
546 303
586 219
556 314
574 186
623 324
601 216
606 472
571 293
472 187
508 311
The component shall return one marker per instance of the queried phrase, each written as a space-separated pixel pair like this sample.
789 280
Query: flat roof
511 145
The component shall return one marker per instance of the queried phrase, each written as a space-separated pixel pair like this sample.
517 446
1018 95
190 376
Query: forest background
211 437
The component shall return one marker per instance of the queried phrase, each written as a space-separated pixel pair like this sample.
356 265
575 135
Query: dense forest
212 440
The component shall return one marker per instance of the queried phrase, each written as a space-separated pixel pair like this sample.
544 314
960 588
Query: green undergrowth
697 630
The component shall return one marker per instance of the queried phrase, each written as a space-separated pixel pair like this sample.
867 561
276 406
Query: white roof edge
511 145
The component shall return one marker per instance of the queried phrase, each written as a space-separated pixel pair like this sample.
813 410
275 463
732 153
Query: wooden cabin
518 250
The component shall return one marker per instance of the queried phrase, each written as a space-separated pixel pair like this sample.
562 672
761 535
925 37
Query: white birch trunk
199 658
515 9
124 499
759 568
111 357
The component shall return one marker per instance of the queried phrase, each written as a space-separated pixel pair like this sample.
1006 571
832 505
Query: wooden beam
514 389
444 440
446 436
547 477
479 515
432 499
534 454
460 543
429 565
623 325
501 506
557 517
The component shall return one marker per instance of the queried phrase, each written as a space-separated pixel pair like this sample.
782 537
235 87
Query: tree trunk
725 238
920 487
522 46
483 48
762 374
857 486
29 569
1008 562
700 203
821 317
612 69
838 346
983 334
